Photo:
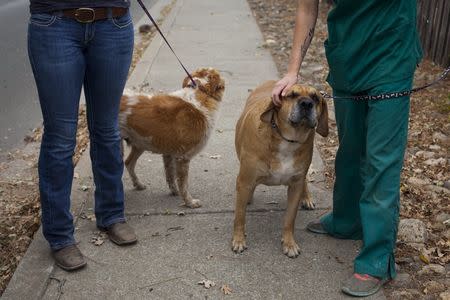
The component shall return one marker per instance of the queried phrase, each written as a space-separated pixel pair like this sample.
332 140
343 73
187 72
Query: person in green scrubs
372 48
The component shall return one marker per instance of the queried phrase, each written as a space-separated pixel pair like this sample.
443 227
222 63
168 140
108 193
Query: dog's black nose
306 104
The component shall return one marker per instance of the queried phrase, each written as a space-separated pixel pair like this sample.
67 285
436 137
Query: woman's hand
282 86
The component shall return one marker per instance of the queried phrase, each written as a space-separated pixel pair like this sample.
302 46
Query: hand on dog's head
302 105
208 80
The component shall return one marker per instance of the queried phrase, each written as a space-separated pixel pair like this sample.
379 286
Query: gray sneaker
121 234
362 285
316 227
69 258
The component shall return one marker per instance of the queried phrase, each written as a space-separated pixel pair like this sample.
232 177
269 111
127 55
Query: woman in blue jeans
74 44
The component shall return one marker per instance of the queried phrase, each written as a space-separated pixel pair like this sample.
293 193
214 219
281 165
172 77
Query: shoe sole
119 243
318 231
123 243
363 294
360 294
66 268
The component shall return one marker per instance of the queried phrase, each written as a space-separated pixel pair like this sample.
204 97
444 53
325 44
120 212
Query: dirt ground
425 193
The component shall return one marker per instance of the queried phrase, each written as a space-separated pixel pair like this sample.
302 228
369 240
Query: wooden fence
434 27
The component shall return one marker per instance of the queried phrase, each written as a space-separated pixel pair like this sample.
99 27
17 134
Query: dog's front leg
244 192
182 166
290 247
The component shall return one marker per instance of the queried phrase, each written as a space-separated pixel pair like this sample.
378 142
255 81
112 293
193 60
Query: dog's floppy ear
322 123
266 116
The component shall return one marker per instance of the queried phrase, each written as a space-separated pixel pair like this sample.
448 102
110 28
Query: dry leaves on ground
207 283
226 290
19 199
19 205
425 178
99 238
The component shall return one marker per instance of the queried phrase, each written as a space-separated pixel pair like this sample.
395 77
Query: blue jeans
66 55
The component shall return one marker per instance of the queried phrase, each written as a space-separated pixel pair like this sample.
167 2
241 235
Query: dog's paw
308 204
174 192
194 203
238 245
290 248
139 186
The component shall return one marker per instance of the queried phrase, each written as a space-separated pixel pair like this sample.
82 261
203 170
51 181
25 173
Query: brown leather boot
69 258
121 234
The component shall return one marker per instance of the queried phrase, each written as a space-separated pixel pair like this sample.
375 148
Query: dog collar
274 125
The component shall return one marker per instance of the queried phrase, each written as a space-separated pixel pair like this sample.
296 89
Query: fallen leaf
272 202
424 257
175 228
226 289
207 283
98 240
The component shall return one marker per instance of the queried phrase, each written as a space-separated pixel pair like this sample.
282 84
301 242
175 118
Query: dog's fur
266 158
176 125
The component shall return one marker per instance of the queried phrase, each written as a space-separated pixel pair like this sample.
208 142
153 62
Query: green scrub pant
372 141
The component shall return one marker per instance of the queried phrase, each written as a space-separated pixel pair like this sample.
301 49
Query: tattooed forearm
306 42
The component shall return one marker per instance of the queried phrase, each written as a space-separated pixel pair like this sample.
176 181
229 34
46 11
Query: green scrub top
371 42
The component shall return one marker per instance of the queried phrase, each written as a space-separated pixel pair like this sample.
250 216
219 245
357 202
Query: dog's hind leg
130 163
169 167
122 150
182 167
305 198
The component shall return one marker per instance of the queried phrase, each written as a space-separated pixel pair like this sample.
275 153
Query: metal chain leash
391 95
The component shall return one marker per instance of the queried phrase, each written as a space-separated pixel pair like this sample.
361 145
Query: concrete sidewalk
175 252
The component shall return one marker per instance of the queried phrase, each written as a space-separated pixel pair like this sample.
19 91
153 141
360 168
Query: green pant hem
327 223
385 273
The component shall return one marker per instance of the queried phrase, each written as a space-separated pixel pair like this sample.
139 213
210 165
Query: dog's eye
293 94
314 97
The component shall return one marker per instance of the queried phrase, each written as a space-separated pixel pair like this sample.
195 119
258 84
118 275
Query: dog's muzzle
303 112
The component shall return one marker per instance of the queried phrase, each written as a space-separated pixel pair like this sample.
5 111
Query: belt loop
109 12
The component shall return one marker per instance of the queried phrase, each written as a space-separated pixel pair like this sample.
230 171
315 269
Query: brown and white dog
176 125
275 147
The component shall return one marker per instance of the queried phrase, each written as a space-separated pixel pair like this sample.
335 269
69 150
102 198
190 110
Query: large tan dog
275 147
176 125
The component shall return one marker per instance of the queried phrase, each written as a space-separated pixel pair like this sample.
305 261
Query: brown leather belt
89 15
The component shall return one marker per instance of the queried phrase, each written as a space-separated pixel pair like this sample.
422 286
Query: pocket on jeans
42 19
123 21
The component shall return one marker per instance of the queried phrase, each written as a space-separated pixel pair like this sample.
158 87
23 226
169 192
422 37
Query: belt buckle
85 15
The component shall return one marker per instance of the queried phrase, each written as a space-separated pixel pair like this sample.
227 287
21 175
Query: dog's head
303 106
208 80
